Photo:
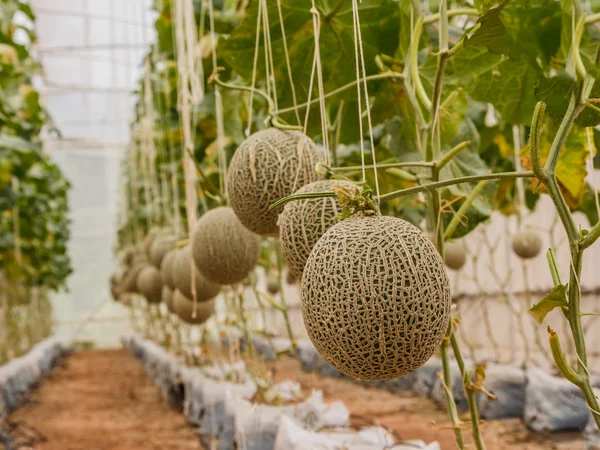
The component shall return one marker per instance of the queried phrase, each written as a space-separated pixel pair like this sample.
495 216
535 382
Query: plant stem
284 310
463 209
563 133
547 176
447 380
591 237
432 18
440 184
469 392
380 76
414 65
592 18
383 166
443 162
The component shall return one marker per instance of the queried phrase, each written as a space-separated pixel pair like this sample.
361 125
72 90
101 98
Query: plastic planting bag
553 404
256 426
292 436
508 383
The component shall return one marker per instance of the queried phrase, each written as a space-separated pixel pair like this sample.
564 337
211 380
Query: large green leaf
571 171
510 88
380 33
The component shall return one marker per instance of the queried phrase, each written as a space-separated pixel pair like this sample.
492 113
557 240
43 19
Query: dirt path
103 400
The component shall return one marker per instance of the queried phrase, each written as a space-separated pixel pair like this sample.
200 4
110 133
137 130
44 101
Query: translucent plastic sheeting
92 53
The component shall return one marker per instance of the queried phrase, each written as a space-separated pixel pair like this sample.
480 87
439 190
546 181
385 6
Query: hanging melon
224 251
269 165
184 308
149 239
129 283
149 284
527 243
167 297
166 268
272 284
182 277
160 247
290 277
303 222
455 255
375 297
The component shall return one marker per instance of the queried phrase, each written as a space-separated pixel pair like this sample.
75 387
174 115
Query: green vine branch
346 87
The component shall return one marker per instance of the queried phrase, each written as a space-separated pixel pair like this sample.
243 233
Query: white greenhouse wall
91 53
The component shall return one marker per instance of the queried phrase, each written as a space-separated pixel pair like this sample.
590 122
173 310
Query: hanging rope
254 68
319 71
269 54
359 51
189 170
148 138
287 62
219 113
194 68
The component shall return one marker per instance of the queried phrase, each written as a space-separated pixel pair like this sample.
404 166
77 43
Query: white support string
360 51
269 54
317 32
254 68
189 169
195 71
222 156
287 62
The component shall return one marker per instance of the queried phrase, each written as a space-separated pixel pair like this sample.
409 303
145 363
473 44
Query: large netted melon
269 165
182 277
375 297
527 243
303 222
167 297
184 308
166 268
149 284
224 250
160 246
455 255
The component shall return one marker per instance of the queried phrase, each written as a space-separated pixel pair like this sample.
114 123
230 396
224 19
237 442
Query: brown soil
413 417
103 400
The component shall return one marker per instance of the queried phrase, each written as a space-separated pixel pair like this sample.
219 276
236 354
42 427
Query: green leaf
556 93
556 298
491 32
380 28
510 88
571 171
521 30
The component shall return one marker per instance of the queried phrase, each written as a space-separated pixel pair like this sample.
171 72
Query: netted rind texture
527 244
269 165
224 250
182 277
303 222
166 268
455 255
375 297
160 247
184 308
